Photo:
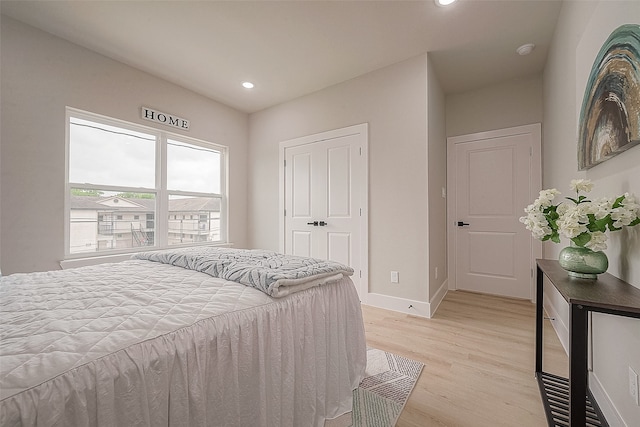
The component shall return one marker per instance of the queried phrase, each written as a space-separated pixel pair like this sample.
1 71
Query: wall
616 341
41 74
512 103
437 181
393 101
0 155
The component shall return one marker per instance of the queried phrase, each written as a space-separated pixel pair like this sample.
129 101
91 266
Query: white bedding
273 273
149 344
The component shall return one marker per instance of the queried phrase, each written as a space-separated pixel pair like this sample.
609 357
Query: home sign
164 118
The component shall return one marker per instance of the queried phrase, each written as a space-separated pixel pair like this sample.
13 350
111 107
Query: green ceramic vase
582 262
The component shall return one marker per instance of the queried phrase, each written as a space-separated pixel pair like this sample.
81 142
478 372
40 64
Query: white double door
325 197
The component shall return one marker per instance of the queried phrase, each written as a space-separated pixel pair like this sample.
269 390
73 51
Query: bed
159 341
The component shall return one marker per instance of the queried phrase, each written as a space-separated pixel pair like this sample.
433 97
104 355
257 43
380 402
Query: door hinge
360 211
361 151
530 151
285 163
285 212
360 273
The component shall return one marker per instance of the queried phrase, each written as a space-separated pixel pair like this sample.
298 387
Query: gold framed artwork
609 121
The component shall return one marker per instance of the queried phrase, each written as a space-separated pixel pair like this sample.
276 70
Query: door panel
339 247
493 193
301 185
339 182
493 181
322 199
482 261
301 243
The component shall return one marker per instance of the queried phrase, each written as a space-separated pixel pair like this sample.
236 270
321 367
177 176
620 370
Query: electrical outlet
395 278
633 386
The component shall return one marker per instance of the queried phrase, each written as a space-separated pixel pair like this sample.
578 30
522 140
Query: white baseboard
402 305
438 297
604 402
408 306
558 324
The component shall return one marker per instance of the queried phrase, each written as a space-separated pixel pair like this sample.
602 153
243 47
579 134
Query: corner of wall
436 185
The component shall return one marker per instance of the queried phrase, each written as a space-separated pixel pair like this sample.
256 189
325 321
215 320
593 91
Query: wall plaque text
164 118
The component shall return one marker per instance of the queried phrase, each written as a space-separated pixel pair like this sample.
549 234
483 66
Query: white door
495 176
324 180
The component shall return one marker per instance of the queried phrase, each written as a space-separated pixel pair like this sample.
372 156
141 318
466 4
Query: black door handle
462 224
314 223
322 223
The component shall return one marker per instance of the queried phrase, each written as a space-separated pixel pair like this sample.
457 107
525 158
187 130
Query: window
121 177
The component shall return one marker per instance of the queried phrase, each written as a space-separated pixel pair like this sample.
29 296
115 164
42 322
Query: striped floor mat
382 394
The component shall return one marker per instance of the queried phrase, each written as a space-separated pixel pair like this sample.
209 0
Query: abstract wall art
609 121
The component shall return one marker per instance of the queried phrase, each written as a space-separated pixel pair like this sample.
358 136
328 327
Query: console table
568 402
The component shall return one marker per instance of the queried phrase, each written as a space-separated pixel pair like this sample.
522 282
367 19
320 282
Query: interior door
323 198
495 176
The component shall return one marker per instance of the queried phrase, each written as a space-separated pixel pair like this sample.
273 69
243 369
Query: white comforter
142 343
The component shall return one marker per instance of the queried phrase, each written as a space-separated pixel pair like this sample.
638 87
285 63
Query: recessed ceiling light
247 85
525 49
444 2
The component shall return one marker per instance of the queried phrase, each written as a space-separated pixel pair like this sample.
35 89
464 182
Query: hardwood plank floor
478 352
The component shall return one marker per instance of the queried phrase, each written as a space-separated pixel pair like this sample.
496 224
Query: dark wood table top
607 293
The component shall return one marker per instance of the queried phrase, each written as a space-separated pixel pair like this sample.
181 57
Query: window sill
95 260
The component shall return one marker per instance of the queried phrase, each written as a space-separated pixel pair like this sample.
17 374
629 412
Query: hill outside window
132 188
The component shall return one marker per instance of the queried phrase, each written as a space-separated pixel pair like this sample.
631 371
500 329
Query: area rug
382 394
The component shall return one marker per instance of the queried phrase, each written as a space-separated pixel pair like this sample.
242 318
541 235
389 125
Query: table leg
539 318
578 365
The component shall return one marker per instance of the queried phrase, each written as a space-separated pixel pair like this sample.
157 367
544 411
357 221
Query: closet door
323 198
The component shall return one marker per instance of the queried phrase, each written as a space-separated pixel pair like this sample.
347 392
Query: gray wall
616 341
394 102
504 105
437 180
41 75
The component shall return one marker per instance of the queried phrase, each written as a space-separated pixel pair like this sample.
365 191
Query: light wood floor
478 352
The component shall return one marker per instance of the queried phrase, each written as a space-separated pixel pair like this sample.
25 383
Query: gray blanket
273 273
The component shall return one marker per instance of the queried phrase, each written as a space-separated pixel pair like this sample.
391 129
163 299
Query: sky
106 155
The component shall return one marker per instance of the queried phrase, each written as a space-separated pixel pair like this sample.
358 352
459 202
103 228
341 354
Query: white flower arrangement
584 222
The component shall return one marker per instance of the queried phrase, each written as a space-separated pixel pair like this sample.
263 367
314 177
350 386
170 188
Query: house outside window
122 176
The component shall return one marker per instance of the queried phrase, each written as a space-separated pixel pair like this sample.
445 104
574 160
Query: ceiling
293 48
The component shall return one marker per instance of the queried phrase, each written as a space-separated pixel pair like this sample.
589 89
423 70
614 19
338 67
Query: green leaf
598 224
582 239
618 202
573 200
550 212
634 222
582 199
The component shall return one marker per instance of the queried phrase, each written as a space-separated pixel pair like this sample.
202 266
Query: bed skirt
293 362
